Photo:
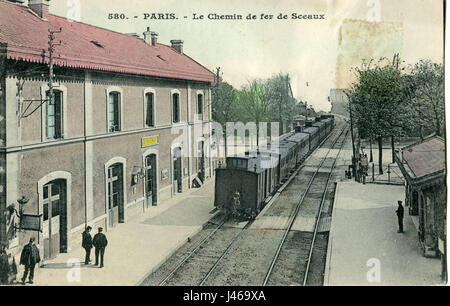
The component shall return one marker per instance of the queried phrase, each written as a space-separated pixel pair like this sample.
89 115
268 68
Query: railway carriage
244 185
302 145
313 132
322 129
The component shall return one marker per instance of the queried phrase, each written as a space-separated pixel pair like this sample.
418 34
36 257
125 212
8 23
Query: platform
136 247
364 236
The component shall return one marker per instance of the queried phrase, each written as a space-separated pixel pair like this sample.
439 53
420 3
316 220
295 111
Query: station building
128 127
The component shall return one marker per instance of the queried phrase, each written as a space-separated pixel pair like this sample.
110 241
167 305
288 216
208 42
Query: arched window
150 116
176 107
200 107
114 111
54 115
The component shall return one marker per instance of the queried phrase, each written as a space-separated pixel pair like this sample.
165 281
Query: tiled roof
88 47
426 157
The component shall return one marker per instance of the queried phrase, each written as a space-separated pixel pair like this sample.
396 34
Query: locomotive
243 186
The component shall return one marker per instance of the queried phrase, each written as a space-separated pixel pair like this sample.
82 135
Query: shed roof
425 157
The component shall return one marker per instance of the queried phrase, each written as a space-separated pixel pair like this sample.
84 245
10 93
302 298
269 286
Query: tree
423 87
377 104
224 104
252 104
282 105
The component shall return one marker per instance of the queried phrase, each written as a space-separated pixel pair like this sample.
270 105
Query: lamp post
22 202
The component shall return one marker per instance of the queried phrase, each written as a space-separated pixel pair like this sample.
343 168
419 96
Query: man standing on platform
29 258
400 213
100 242
87 244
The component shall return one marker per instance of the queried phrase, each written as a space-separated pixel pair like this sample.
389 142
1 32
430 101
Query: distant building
127 128
339 102
423 166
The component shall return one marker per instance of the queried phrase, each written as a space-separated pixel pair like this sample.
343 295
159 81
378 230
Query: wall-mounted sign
164 174
30 222
149 141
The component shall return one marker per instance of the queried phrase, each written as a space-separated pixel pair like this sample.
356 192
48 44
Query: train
244 185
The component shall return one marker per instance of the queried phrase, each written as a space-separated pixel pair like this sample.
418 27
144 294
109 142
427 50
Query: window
114 111
150 116
176 107
51 198
115 188
200 107
53 120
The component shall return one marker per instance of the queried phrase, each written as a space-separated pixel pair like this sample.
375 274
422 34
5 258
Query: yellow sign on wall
149 141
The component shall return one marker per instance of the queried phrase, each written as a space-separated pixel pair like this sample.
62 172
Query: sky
317 53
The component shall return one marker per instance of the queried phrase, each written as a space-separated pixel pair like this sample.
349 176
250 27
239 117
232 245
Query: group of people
99 243
30 256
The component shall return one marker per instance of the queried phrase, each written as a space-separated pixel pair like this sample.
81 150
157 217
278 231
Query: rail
297 208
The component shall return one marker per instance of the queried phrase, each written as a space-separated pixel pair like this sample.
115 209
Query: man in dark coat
87 244
4 266
100 242
29 258
400 213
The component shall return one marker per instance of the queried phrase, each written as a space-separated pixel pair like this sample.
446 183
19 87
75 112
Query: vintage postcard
192 143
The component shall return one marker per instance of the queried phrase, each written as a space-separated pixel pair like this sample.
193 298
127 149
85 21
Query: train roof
319 123
298 137
256 162
310 130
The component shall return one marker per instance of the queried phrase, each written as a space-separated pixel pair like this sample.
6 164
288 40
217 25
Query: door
177 171
150 180
55 218
201 161
115 195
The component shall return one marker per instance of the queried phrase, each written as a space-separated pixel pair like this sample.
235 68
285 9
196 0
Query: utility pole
51 50
353 138
217 76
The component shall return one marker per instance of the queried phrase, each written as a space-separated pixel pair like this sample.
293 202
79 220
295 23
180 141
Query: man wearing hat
29 258
100 242
400 213
87 244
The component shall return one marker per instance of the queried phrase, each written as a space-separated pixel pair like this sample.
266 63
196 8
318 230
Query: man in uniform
100 242
400 213
87 244
29 258
4 266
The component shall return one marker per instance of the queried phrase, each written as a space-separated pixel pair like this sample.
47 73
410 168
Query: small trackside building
129 125
423 166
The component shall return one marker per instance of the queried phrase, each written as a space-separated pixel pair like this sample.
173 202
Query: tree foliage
389 100
282 105
423 88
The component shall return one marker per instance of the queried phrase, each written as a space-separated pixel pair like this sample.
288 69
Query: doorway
177 171
151 189
115 195
201 160
54 218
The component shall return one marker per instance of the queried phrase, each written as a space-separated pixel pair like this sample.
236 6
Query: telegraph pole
218 76
51 50
306 111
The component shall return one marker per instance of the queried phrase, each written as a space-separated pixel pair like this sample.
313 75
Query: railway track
303 242
198 265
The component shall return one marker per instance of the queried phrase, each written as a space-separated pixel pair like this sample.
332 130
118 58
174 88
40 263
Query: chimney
154 38
177 45
147 36
40 7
